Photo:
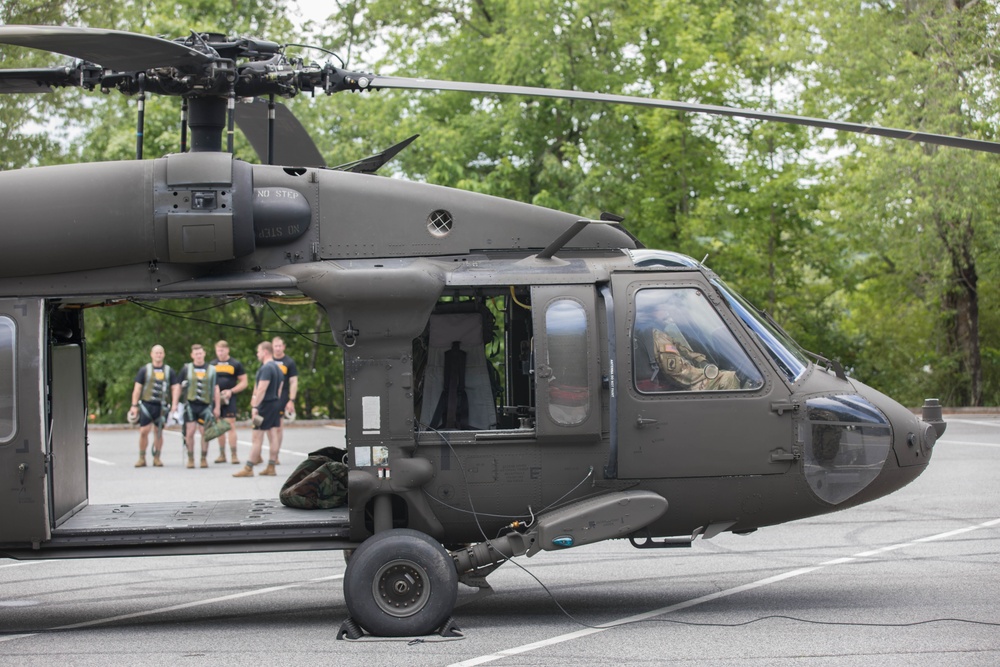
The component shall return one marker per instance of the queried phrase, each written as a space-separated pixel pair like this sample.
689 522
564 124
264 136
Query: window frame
735 343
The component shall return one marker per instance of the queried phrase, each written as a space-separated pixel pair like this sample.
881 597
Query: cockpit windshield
785 352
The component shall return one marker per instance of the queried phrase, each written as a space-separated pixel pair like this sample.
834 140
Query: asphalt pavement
911 579
114 451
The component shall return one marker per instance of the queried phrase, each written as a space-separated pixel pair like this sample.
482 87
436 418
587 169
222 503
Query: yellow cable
523 305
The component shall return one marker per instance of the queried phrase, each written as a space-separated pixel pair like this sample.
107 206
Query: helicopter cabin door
694 392
567 364
24 513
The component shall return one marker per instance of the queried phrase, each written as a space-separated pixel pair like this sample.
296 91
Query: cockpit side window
680 343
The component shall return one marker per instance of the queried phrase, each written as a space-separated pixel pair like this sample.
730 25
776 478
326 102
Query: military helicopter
638 396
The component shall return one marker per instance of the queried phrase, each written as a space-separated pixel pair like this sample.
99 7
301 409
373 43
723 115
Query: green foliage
922 219
876 252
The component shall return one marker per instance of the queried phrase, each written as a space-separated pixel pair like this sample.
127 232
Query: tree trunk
961 299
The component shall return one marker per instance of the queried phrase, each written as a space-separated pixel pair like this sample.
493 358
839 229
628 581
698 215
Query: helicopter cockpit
681 344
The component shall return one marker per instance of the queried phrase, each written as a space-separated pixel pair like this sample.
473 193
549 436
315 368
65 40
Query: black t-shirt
272 373
288 370
227 373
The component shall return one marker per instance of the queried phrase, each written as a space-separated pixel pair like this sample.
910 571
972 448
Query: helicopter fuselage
507 367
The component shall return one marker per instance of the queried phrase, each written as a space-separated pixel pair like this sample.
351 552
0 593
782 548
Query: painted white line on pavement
247 443
962 442
94 459
23 562
176 607
995 424
517 650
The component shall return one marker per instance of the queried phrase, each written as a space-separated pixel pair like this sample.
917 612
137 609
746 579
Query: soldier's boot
222 455
190 463
269 470
141 463
157 463
204 459
247 471
235 458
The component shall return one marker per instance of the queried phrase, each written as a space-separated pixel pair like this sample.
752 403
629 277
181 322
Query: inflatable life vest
155 389
200 383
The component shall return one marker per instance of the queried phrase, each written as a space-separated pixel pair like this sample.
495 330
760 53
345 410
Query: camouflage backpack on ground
318 483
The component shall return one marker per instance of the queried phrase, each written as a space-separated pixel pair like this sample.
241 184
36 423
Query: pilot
232 379
673 365
201 396
153 383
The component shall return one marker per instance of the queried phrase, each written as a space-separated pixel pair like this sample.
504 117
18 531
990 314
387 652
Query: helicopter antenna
563 239
372 163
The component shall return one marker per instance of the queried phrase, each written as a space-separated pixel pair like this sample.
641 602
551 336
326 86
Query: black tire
400 583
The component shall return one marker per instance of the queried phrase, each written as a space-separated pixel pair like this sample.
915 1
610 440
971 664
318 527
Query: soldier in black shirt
265 406
232 379
289 390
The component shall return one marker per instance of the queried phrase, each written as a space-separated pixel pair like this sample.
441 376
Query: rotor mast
207 121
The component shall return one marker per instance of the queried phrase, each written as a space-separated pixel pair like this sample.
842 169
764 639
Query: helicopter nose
912 437
847 442
862 445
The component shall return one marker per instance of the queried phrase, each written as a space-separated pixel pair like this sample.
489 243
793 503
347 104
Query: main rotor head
211 70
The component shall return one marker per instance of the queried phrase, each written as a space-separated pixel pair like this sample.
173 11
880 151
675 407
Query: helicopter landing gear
400 583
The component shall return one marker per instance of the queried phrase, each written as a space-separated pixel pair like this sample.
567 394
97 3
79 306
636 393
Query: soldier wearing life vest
156 384
201 398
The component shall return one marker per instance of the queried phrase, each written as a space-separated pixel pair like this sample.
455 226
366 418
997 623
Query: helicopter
517 379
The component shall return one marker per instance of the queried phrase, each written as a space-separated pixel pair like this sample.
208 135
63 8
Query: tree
926 215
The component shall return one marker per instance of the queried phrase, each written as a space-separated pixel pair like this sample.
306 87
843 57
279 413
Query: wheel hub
401 588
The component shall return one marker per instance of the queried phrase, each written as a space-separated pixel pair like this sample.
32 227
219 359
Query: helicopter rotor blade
115 49
404 83
38 80
292 143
